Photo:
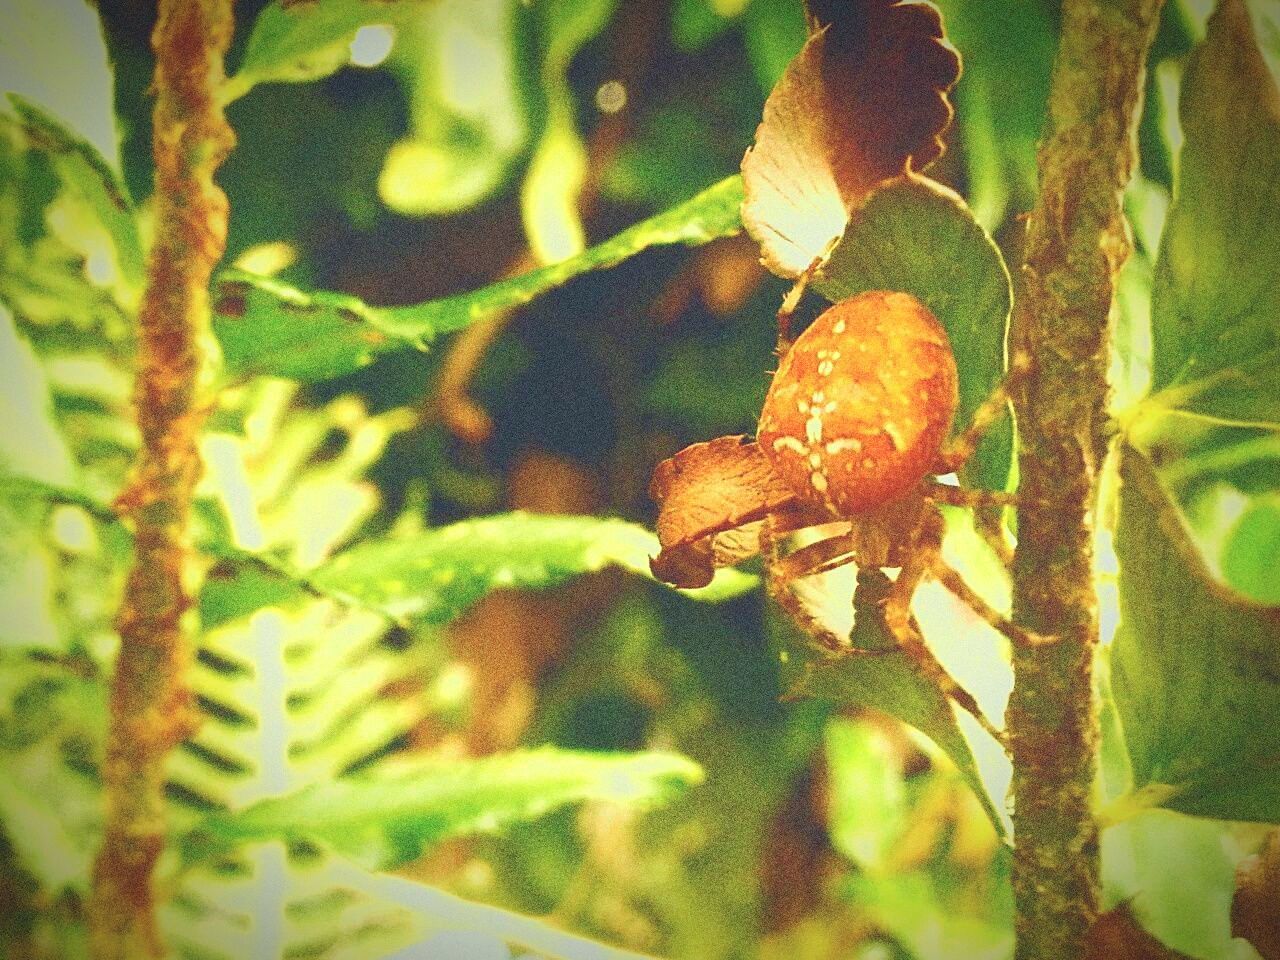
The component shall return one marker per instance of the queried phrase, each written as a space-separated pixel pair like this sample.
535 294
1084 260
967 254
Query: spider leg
960 448
792 300
818 557
950 578
940 492
904 629
988 521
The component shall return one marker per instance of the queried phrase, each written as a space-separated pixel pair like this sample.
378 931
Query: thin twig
1077 240
151 709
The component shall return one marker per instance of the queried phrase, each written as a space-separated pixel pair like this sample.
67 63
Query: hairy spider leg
902 626
819 557
815 558
960 448
791 300
940 492
950 578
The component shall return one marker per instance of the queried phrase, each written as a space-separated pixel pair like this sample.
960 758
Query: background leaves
1215 300
387 818
268 327
338 500
1194 668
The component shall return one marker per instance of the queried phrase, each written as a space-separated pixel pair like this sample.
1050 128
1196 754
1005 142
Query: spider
852 439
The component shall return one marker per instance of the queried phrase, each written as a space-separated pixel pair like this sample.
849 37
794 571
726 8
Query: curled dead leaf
863 102
712 498
1117 935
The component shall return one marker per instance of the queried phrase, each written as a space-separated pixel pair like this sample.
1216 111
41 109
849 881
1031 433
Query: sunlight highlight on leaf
457 64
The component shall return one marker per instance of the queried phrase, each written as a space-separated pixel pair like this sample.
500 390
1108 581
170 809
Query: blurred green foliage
483 273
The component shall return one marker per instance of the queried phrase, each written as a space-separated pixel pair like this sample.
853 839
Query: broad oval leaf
864 102
1195 667
883 678
1216 296
1249 554
268 327
392 815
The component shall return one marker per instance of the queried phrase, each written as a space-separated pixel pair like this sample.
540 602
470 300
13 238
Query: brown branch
1077 241
150 706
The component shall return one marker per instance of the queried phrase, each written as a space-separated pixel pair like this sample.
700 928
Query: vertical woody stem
150 706
1077 241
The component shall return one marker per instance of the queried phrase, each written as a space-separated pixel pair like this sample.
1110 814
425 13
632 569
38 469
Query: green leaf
459 928
936 918
1216 298
30 443
234 590
84 171
267 327
1179 874
552 186
386 818
1249 556
437 575
1007 47
558 168
52 816
53 52
879 676
773 34
1195 668
268 902
51 715
1247 393
459 148
695 23
434 576
295 42
919 237
869 802
281 905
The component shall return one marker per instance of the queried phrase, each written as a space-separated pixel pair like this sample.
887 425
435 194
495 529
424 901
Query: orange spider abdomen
862 402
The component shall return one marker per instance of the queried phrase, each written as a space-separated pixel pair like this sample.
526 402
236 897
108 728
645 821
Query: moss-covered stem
150 704
1077 240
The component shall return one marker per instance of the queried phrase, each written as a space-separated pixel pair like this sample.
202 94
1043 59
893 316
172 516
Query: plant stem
1077 240
151 709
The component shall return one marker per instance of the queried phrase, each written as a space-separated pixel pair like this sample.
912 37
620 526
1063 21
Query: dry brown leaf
864 101
1255 908
1116 935
711 496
